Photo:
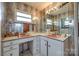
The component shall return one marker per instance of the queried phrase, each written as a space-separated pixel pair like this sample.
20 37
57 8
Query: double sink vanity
42 44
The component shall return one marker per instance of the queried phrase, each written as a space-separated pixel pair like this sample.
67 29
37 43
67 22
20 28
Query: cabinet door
51 48
43 47
55 48
36 46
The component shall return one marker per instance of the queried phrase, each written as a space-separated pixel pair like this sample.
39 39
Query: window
23 17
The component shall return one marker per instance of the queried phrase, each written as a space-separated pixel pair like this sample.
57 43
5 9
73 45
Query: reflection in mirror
48 24
61 18
23 17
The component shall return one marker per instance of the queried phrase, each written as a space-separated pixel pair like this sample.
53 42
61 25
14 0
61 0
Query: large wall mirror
62 21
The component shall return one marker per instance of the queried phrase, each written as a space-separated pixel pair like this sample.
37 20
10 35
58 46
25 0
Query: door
55 48
43 47
0 29
1 19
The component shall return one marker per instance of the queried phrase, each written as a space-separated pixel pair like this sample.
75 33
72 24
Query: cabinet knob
45 44
11 54
49 46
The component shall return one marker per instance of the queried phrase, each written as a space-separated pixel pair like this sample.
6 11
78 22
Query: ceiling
39 5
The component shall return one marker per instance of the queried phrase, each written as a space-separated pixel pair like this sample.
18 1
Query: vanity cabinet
11 47
54 47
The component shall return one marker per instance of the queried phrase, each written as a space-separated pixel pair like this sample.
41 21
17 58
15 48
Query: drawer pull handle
36 49
11 47
45 44
10 54
11 43
49 46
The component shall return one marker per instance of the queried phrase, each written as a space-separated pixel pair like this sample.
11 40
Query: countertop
32 34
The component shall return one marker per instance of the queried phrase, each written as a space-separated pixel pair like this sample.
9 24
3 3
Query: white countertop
45 34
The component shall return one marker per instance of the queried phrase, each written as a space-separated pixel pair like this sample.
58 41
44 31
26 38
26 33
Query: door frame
76 28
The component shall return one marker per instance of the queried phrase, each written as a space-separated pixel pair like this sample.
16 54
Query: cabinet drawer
5 49
25 40
14 52
9 43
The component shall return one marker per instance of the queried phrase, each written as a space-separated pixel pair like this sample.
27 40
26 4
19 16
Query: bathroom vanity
41 45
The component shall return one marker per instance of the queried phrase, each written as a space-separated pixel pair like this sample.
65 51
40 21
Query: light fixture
35 18
51 9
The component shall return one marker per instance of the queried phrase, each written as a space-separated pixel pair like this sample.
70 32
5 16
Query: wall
9 15
1 19
76 28
0 29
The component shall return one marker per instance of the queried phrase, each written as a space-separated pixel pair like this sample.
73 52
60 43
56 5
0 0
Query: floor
26 53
